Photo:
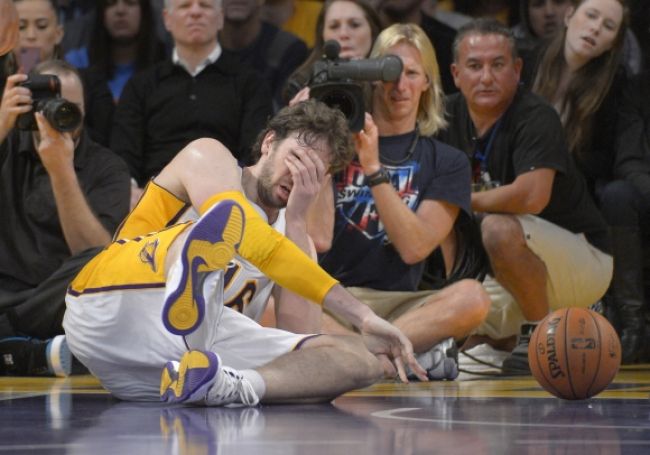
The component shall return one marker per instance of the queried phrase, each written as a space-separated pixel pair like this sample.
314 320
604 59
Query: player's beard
265 188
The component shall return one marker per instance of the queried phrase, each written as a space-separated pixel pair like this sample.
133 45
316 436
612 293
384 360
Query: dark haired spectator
539 22
123 41
274 53
579 74
545 238
61 196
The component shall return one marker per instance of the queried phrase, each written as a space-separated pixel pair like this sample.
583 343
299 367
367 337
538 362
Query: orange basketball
574 353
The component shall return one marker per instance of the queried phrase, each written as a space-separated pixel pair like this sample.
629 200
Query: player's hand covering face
307 172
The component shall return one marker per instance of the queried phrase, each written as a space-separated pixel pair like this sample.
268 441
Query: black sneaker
516 364
21 356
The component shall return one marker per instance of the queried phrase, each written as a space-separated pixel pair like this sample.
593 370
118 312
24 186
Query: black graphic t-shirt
361 253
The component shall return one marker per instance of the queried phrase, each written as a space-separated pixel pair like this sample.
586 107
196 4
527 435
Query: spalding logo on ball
574 353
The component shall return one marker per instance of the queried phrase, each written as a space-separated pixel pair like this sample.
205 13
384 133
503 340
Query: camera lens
340 100
346 97
63 115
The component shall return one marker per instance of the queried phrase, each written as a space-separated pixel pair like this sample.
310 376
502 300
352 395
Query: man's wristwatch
381 176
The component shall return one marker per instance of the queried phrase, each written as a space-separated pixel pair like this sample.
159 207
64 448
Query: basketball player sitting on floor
181 272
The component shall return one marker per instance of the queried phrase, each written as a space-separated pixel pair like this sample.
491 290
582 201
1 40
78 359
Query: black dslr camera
334 81
46 96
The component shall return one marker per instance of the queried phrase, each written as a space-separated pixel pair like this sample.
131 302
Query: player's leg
322 369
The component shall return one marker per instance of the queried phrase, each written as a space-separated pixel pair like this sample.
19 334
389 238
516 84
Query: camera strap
409 152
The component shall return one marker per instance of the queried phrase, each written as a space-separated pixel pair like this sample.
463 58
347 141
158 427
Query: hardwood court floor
471 415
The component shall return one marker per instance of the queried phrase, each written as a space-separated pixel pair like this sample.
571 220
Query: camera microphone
387 68
331 49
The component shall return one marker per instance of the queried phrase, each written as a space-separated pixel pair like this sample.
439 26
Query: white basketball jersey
246 289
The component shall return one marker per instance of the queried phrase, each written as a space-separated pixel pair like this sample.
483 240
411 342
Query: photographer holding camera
396 202
61 197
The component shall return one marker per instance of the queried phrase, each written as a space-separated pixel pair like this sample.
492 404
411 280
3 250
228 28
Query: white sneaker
441 361
482 359
200 378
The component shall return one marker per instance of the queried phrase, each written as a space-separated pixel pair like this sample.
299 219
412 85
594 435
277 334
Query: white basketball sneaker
201 378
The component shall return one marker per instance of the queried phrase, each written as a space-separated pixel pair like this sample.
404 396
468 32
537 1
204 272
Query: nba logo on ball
574 353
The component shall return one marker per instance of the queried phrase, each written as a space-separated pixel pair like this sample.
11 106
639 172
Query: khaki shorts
578 276
388 305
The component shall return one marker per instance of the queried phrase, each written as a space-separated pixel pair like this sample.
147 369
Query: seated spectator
62 196
396 202
545 238
440 34
540 21
40 38
274 53
579 75
198 92
353 23
123 41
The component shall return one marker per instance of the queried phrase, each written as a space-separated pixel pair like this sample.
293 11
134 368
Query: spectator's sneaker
516 364
59 357
209 247
482 359
200 378
20 356
441 361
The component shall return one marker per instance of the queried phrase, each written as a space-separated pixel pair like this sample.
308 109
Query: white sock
256 381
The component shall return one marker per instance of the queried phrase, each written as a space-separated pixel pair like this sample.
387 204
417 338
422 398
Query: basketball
574 353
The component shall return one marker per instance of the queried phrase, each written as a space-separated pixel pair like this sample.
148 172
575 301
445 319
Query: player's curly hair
315 123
